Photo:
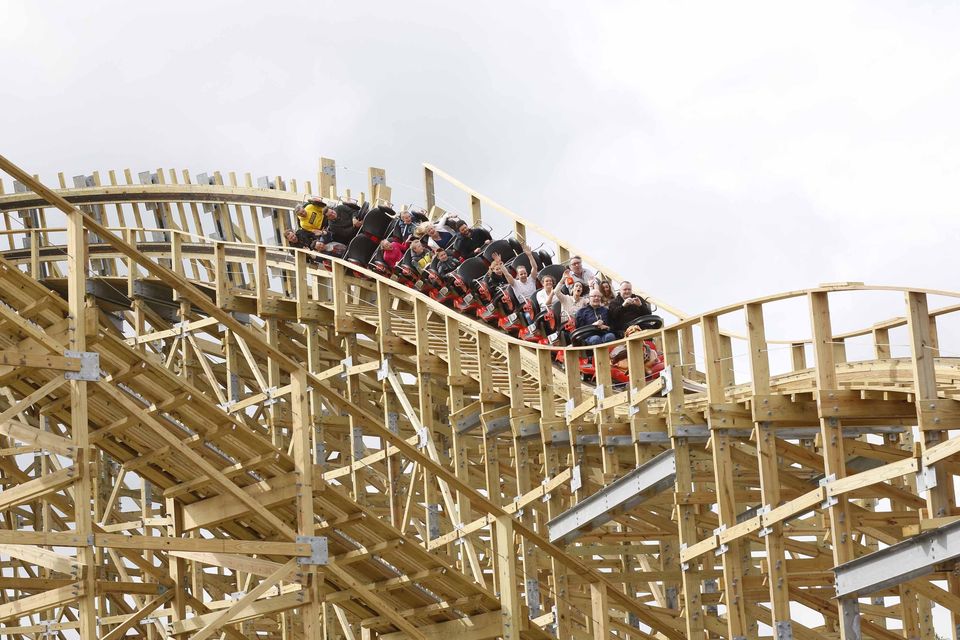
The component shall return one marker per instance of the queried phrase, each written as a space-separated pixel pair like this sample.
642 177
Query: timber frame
207 434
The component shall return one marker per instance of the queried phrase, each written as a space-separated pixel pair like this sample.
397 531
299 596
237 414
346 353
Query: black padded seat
376 223
579 336
360 250
646 323
503 247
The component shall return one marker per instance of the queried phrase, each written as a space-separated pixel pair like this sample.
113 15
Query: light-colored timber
205 434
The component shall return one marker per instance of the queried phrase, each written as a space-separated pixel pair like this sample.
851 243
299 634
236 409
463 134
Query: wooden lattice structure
205 434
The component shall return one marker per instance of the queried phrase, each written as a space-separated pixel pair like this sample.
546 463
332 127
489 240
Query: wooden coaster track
208 436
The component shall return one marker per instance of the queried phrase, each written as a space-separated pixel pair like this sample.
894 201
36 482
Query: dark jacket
588 315
467 246
405 230
445 267
621 316
341 228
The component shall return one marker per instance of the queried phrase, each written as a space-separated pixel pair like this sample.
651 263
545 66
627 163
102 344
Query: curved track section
267 447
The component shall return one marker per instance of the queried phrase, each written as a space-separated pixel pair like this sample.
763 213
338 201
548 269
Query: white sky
711 152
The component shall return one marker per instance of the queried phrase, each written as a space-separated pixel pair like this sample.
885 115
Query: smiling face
522 274
442 255
406 217
578 289
626 290
464 230
576 266
594 298
548 282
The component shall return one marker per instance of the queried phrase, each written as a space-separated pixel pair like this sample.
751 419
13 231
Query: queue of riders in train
502 282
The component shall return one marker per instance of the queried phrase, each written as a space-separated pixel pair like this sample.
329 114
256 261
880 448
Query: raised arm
533 261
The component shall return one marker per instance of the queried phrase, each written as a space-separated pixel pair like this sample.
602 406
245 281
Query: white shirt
526 289
567 307
585 277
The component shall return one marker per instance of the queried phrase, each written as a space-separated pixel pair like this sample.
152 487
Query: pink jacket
392 255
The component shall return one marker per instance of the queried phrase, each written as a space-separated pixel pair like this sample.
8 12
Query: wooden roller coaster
206 433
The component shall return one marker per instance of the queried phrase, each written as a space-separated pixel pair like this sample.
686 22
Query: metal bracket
89 365
668 381
761 511
393 420
722 548
433 520
684 566
831 500
784 630
270 400
318 550
384 370
576 482
926 479
422 437
568 408
329 170
346 363
533 596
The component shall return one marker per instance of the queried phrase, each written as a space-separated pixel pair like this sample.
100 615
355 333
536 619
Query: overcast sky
711 152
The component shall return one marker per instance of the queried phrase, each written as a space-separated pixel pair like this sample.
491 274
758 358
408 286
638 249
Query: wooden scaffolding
206 434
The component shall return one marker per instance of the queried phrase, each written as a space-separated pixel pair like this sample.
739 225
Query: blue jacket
589 315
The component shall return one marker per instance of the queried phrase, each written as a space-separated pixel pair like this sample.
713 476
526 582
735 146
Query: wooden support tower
205 433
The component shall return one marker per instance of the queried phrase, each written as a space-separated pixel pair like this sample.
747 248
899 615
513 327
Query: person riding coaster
409 268
653 359
463 284
437 276
546 327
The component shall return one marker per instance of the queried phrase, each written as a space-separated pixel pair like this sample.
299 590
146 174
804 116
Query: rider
580 273
341 225
406 226
393 250
436 238
472 241
548 295
419 254
443 263
597 315
524 285
626 307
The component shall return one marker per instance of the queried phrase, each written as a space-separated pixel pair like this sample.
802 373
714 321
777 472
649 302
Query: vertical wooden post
881 343
766 440
429 189
76 328
923 350
327 178
798 356
721 444
303 464
376 179
686 512
599 610
605 418
510 611
831 434
475 210
549 424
